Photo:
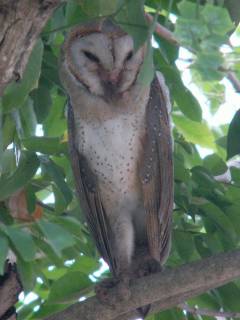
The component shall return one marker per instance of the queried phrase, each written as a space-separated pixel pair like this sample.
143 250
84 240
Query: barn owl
120 147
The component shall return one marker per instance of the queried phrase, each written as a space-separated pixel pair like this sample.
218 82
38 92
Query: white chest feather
112 148
110 138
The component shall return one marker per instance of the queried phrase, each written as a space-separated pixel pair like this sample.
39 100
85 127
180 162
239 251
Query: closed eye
129 55
91 56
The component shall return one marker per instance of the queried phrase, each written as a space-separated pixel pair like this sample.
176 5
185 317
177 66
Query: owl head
100 58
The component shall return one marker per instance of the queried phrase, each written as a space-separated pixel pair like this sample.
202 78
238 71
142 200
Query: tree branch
210 313
169 36
234 80
21 22
162 31
163 290
10 287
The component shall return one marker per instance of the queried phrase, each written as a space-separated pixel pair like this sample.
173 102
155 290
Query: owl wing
157 171
89 196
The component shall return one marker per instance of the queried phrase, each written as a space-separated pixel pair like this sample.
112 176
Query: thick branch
164 290
10 287
21 22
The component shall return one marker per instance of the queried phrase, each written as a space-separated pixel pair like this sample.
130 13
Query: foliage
55 254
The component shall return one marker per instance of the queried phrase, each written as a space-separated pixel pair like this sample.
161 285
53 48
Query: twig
45 206
162 31
169 36
234 80
210 313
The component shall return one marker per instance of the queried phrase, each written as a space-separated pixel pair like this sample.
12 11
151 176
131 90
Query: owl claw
148 267
104 291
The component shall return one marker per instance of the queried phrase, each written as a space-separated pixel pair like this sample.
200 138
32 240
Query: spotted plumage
120 144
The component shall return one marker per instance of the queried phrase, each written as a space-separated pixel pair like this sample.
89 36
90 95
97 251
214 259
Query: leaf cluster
40 218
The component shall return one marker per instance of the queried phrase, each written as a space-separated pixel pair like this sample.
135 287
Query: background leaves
56 257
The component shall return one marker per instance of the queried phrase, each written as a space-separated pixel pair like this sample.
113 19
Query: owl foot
147 267
104 291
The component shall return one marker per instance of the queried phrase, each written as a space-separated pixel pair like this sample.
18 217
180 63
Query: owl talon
148 267
104 291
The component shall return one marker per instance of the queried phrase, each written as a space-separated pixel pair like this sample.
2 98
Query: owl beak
114 77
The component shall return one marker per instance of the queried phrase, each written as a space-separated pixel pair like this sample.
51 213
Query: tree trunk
10 287
21 21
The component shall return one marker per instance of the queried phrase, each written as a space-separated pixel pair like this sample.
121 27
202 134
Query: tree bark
10 287
21 21
163 290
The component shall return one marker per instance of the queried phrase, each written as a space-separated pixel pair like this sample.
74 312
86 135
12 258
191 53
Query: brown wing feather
90 200
157 173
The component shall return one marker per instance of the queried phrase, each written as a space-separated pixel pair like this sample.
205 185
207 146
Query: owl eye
129 55
91 56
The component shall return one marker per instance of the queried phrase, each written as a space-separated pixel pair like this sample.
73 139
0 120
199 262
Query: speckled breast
112 148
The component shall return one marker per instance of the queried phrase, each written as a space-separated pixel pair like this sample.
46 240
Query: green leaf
233 136
26 311
16 93
3 252
180 172
22 242
230 294
190 32
42 102
1 138
195 132
45 145
27 167
8 162
69 288
57 176
184 244
204 179
28 118
213 42
96 8
205 301
85 264
146 72
49 252
208 64
60 201
233 214
131 19
201 247
185 100
72 225
27 275
217 19
218 217
74 13
188 9
215 164
54 273
56 236
235 174
55 124
8 130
